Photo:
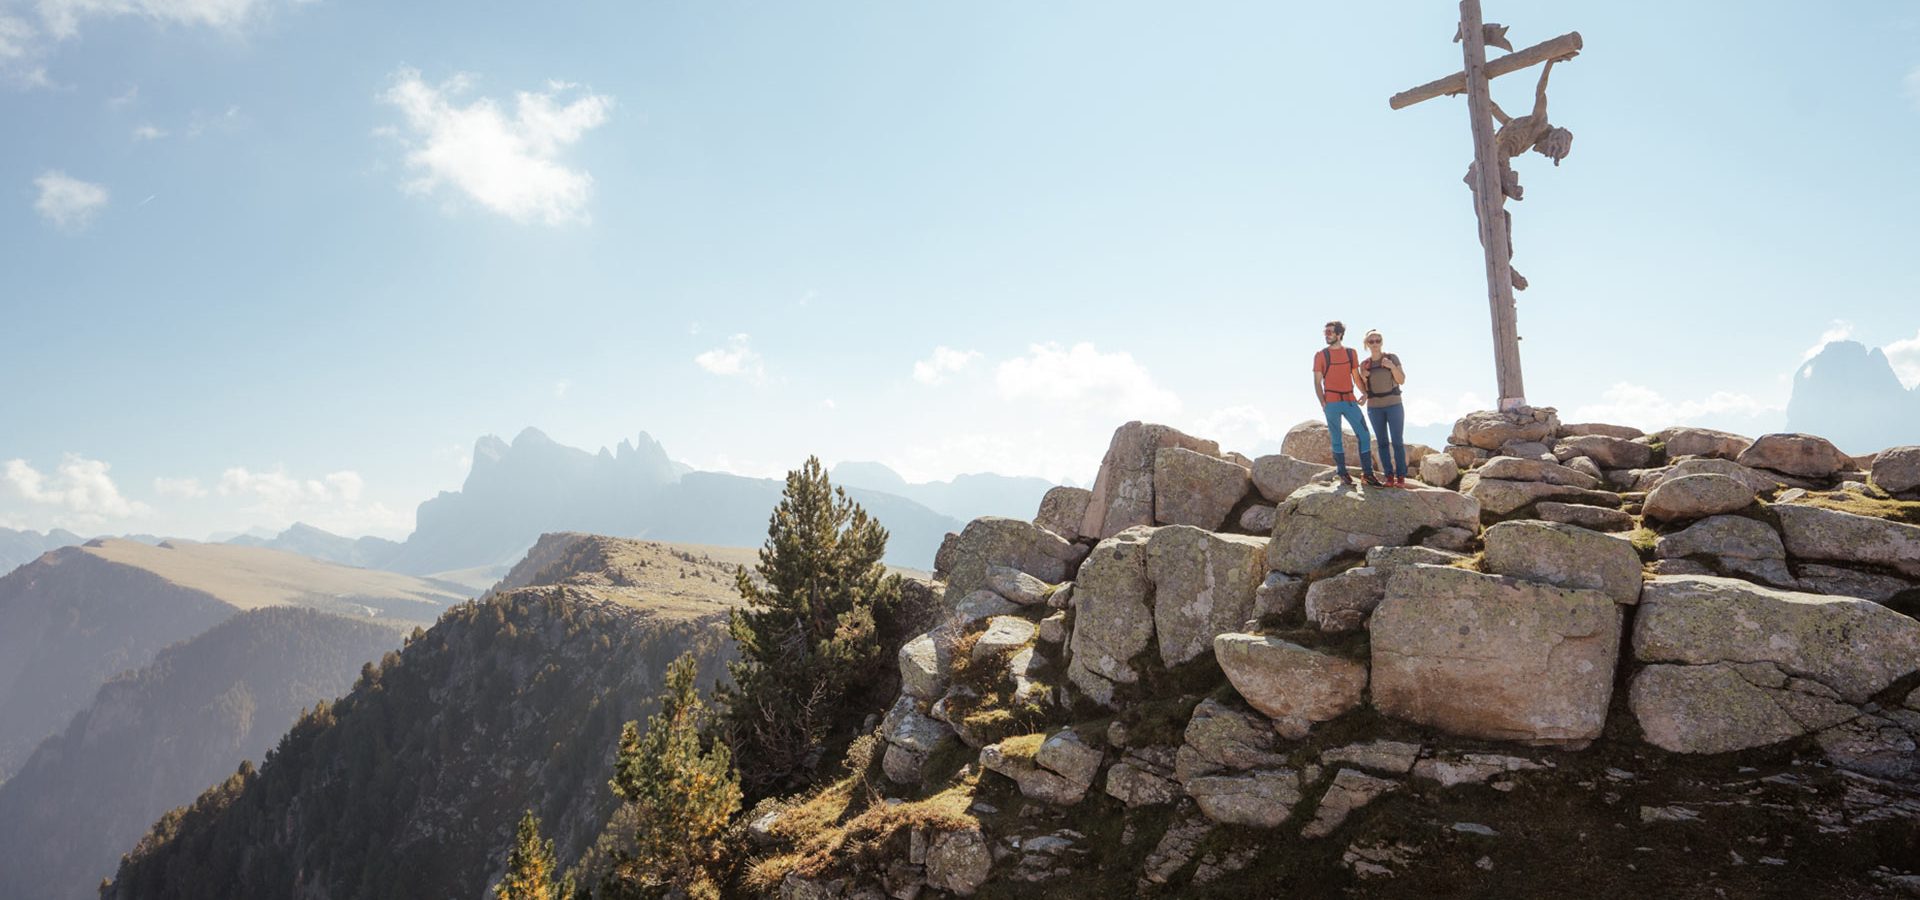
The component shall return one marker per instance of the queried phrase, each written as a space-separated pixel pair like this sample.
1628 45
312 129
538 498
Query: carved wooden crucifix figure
1491 176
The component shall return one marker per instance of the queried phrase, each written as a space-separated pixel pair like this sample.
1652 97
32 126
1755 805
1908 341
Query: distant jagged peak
531 437
489 449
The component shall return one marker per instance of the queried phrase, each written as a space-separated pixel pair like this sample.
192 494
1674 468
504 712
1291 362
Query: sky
265 261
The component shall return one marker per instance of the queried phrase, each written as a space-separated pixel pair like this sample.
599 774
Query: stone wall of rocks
1722 579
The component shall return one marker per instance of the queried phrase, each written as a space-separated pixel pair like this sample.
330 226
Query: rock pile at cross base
1576 658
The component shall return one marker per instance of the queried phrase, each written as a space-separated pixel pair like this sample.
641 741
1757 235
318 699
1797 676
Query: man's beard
1333 339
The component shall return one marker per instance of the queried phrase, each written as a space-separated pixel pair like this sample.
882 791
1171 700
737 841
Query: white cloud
276 487
1643 407
1086 379
62 17
332 502
148 133
944 361
187 488
735 358
1913 86
1905 356
124 98
560 389
67 202
508 165
80 488
1837 330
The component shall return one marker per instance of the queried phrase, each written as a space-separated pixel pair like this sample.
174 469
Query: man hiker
1336 382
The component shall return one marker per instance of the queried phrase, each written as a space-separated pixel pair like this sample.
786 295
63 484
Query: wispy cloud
1083 377
508 164
148 133
27 39
67 202
1626 403
334 502
80 489
736 358
944 361
1904 354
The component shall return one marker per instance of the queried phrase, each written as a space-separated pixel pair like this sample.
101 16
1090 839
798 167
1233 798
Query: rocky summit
1575 659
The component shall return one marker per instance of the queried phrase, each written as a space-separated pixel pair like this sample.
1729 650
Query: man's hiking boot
1346 479
1370 480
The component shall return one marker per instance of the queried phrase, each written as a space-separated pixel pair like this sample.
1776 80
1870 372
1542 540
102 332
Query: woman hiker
1381 376
1336 379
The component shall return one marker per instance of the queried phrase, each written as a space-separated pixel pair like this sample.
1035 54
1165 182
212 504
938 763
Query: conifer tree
530 867
806 637
683 795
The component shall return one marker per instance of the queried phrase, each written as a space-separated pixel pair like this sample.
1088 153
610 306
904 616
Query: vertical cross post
1488 203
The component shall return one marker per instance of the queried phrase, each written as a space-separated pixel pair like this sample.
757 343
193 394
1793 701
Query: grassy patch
1643 539
822 841
1022 747
1903 511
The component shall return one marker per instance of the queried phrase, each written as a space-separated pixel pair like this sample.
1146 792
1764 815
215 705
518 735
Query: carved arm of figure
1540 93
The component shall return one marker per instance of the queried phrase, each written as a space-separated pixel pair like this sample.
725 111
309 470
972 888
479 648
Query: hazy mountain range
411 785
965 498
154 738
76 616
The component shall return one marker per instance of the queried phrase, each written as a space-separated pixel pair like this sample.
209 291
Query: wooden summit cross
1491 177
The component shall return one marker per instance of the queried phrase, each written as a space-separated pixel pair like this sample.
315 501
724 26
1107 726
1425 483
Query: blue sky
263 260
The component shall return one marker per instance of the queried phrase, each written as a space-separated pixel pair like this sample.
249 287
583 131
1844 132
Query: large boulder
1702 442
959 861
1291 684
1123 491
1592 517
1512 468
1492 657
1262 799
1805 455
1113 621
1343 602
1579 429
1897 469
1489 429
1757 480
1565 555
1499 497
1310 442
923 666
1822 579
1854 647
1439 470
1004 635
1609 452
1195 489
1320 523
1350 790
911 736
1060 772
1726 706
995 541
1203 585
1696 497
1221 738
1827 534
1740 545
1278 475
1063 509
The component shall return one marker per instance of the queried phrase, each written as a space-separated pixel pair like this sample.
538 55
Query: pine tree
530 867
807 638
683 794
